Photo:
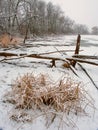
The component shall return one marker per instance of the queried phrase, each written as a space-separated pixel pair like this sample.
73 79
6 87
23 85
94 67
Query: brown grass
7 40
39 93
66 65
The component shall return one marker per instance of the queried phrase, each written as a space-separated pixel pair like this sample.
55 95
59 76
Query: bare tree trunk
15 16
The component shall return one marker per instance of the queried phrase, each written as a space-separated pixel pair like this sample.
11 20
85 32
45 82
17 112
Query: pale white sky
82 11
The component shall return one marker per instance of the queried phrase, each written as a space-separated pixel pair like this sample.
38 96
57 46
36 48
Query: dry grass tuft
7 40
66 65
38 93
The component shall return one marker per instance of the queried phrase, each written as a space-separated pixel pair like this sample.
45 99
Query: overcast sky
82 11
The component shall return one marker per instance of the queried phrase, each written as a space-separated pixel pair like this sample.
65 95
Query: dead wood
53 59
38 56
82 61
25 55
85 57
5 54
53 63
78 44
88 75
44 57
73 63
37 44
56 52
73 70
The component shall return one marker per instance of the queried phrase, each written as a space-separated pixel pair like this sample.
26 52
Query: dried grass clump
7 40
66 65
39 93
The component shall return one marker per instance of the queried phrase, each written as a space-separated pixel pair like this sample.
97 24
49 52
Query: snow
10 70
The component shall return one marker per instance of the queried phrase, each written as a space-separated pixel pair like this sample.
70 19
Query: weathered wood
40 44
88 75
44 57
85 57
53 63
56 52
78 44
82 61
73 63
5 54
25 55
18 56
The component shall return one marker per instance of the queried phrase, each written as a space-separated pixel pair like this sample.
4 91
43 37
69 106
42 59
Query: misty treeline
36 17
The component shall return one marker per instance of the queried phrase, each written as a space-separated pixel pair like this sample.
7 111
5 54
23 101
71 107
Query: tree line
38 18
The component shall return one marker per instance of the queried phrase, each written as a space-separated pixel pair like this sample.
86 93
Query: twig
58 51
72 69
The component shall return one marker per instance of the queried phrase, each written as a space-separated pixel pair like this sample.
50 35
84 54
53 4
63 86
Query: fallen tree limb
82 61
73 70
5 54
18 56
8 54
37 44
25 55
56 52
44 57
85 57
88 75
53 59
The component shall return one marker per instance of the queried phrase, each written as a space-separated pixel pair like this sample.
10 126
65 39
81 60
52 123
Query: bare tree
81 29
37 18
95 30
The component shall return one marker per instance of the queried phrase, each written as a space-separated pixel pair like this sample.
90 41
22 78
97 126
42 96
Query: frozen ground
9 70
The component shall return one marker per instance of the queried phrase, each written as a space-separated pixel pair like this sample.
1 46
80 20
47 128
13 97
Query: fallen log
82 61
5 54
85 57
53 59
18 56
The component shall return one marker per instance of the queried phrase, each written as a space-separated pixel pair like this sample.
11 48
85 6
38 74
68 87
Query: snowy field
11 69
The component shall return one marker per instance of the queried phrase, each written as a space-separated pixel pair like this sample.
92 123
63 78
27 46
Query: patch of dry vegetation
7 40
38 93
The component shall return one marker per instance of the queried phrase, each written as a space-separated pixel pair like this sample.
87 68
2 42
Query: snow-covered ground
11 69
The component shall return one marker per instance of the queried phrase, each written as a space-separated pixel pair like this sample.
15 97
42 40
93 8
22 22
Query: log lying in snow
5 54
18 56
44 57
82 61
53 59
26 55
85 57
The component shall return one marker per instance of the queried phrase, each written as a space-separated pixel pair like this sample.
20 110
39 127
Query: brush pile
41 94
